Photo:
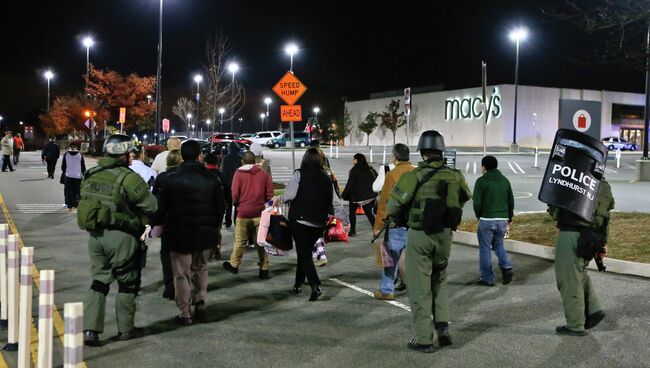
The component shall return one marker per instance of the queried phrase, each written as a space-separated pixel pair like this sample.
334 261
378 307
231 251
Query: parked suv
616 143
229 137
300 139
262 138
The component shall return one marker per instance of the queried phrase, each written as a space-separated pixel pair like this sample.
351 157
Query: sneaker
428 348
563 330
320 262
91 338
594 319
381 296
352 233
183 321
135 333
401 286
480 281
506 273
315 294
228 267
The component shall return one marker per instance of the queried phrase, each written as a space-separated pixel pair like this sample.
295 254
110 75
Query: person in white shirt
160 162
139 167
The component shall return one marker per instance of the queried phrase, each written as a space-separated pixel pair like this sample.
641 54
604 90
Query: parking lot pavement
254 323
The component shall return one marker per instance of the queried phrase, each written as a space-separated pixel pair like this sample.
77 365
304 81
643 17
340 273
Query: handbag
279 234
263 229
335 231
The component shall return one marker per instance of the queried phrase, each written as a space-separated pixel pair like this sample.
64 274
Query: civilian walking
136 163
311 195
160 162
50 155
260 161
73 167
7 143
251 189
212 164
173 160
229 164
395 238
494 206
191 206
358 190
19 146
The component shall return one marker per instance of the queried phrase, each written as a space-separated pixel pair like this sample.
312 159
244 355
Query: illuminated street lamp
198 78
517 35
221 111
159 70
267 101
262 116
291 49
88 42
48 75
232 68
149 97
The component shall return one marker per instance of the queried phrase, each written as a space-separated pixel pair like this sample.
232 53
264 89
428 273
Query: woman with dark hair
358 190
311 195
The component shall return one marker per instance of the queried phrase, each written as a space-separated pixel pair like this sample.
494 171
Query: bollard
13 265
618 158
536 165
25 320
4 231
337 151
45 303
383 160
331 149
371 159
73 338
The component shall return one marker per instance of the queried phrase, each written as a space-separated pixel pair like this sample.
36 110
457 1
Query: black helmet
432 140
118 144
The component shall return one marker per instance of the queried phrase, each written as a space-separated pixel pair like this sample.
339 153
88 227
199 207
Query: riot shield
573 174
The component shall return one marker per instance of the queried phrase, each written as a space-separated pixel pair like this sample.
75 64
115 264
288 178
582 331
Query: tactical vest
436 201
601 215
103 203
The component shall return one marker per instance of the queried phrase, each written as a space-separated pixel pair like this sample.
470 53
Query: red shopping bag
335 231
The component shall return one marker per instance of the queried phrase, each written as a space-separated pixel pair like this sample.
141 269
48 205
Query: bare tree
185 107
221 90
621 24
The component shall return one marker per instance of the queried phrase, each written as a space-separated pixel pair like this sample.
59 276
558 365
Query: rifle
387 224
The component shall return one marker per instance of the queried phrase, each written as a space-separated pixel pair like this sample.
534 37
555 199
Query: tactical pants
578 295
426 276
112 258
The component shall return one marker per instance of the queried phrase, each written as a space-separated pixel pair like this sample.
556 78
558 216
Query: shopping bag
386 257
318 253
157 231
279 234
273 251
377 245
335 231
263 229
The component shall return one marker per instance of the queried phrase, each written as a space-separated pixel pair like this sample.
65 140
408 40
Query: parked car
616 143
247 135
300 139
262 138
229 137
202 143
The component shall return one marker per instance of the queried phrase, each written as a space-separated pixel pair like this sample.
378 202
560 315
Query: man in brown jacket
395 240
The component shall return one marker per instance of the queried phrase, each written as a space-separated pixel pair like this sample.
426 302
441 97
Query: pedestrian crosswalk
41 208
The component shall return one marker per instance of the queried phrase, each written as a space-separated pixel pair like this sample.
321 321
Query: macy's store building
459 114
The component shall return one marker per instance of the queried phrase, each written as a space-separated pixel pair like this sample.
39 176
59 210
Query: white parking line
467 168
512 168
519 167
610 171
370 294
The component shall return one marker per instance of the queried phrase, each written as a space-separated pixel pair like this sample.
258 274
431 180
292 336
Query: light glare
519 34
88 41
48 74
291 49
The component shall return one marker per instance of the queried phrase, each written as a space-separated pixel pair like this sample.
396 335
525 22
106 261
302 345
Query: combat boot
506 273
444 339
91 338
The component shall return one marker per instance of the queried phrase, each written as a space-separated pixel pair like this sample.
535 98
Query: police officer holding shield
429 201
115 206
580 201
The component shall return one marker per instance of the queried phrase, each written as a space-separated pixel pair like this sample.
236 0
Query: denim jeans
396 244
490 237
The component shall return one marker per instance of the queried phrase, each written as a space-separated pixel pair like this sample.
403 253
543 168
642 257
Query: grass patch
629 233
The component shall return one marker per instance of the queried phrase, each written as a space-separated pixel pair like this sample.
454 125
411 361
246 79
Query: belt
571 228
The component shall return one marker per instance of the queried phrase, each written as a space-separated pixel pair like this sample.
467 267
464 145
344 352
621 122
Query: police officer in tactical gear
429 201
115 206
578 242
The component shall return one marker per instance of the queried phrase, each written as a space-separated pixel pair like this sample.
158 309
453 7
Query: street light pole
48 76
262 116
233 68
198 79
159 72
517 36
267 101
221 111
646 124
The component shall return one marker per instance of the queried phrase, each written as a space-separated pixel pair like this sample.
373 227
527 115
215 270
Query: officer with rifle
580 201
115 208
429 201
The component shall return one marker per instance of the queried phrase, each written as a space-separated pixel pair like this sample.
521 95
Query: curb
544 252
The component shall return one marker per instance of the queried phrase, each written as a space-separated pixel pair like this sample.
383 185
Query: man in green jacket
114 208
494 206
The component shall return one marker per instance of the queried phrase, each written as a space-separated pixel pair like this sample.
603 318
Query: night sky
348 49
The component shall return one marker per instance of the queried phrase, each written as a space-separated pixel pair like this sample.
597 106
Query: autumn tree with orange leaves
67 114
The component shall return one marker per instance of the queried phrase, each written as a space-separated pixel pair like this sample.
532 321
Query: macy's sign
472 108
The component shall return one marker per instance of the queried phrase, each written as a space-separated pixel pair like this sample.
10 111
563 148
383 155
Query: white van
262 138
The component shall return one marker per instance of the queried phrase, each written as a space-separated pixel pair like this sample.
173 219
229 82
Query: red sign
165 125
290 113
289 88
582 121
122 115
